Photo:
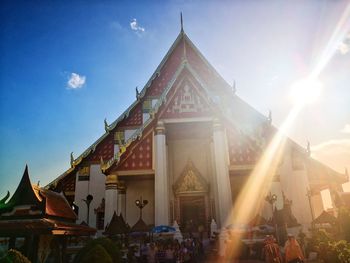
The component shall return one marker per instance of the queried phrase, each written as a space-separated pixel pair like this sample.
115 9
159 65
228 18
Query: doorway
192 213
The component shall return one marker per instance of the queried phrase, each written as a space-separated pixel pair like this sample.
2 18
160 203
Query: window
84 173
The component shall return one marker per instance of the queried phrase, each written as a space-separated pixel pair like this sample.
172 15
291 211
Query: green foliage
330 250
97 254
111 248
14 256
344 222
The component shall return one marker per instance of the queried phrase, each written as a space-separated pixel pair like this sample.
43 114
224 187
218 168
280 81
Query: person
271 251
293 252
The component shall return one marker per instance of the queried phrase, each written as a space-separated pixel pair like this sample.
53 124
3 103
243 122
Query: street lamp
141 204
271 199
88 201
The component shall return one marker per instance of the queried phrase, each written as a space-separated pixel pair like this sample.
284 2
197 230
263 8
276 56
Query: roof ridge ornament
182 23
234 89
308 148
269 118
138 95
71 159
106 125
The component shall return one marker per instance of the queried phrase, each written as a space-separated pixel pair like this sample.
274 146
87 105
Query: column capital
111 181
121 187
160 128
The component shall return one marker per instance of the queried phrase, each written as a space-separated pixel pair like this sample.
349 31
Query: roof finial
346 173
182 23
137 93
106 125
71 159
308 149
269 118
234 90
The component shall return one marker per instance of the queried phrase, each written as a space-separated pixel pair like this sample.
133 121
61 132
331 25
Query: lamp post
88 201
141 204
271 199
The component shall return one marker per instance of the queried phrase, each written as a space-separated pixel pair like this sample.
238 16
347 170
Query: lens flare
306 91
252 197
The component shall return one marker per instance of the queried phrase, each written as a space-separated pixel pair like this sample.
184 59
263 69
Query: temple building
187 144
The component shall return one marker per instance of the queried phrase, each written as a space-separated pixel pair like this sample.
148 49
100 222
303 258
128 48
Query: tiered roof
32 209
182 66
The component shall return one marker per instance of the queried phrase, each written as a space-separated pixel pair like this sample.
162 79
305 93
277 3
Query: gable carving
190 181
186 102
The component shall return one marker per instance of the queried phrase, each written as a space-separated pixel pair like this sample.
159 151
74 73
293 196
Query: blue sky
114 46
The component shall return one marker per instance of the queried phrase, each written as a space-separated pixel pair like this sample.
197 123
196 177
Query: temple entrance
192 213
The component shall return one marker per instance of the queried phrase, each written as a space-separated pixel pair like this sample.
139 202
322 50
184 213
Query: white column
161 198
222 173
121 209
111 198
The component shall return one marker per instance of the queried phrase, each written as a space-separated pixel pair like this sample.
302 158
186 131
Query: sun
306 91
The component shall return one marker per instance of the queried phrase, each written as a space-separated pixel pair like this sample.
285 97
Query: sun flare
306 91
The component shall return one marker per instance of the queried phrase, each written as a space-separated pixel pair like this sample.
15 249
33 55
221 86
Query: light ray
252 196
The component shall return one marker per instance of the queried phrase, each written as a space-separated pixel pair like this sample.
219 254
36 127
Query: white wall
96 187
295 184
136 188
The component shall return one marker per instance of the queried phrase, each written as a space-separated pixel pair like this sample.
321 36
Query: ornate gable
139 157
186 102
190 181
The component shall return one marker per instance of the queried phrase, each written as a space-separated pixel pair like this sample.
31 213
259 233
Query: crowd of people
168 251
292 251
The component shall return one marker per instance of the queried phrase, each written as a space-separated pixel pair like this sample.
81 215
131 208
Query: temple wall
294 182
134 190
96 187
317 204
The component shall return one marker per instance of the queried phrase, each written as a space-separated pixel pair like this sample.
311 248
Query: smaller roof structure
325 218
140 226
35 210
117 226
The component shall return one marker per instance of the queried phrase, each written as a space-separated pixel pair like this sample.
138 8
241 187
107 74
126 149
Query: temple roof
140 226
183 58
325 218
33 201
117 226
43 226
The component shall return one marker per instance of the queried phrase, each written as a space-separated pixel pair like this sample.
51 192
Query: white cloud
346 129
76 81
136 27
344 47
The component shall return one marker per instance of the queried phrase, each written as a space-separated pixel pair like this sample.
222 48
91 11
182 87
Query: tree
97 254
112 249
344 222
14 256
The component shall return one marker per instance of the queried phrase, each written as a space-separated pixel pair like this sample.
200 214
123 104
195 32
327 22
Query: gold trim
241 167
135 172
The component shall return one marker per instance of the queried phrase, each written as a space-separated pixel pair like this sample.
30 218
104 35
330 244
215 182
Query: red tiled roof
56 204
43 225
